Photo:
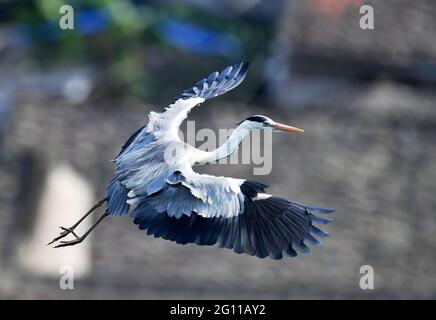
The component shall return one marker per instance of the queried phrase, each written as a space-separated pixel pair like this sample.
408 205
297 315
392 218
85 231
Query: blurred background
366 99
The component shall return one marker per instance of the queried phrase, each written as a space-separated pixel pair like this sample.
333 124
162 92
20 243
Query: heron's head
265 123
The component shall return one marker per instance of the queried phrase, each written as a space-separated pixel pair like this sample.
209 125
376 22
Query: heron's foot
70 243
64 233
70 230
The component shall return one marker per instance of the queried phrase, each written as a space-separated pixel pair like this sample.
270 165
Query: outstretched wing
168 122
242 218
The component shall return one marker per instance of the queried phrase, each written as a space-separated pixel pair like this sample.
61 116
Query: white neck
232 144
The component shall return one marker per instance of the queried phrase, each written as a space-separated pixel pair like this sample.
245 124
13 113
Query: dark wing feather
267 227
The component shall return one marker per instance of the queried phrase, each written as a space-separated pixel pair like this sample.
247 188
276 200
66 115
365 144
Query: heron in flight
169 200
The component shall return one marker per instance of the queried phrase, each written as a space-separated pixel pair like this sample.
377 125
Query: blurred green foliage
129 50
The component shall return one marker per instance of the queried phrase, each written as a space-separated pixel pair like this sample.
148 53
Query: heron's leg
67 231
83 237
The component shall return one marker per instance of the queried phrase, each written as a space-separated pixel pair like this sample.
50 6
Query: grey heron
169 200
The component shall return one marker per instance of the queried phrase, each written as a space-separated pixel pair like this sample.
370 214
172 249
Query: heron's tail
117 199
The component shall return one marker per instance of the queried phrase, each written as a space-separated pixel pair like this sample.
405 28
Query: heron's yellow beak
284 127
